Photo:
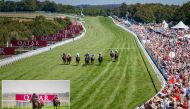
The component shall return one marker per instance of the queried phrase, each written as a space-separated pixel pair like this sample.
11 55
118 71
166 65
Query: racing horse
100 58
77 58
116 55
92 58
36 104
64 58
112 55
56 103
69 59
87 58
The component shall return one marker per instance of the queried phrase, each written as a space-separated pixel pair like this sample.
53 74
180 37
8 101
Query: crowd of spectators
171 52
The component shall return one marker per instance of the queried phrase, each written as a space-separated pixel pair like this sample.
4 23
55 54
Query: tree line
140 12
35 5
23 29
154 12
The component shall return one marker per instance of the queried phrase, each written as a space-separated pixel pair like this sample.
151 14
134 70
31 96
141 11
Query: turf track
113 85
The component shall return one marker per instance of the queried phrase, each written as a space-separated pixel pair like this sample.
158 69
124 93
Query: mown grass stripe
98 89
113 95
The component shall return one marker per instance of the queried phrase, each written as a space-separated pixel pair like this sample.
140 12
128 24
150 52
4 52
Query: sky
35 86
100 2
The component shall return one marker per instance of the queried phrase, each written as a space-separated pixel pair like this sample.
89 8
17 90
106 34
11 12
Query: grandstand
169 50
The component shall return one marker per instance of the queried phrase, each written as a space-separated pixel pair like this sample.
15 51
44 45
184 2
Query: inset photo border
35 94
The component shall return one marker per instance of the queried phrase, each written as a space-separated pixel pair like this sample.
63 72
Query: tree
183 13
29 5
9 6
123 10
1 5
50 6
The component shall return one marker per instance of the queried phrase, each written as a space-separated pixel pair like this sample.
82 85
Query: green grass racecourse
113 85
43 108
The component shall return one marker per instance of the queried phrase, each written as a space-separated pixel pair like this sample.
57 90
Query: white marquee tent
187 36
180 25
165 24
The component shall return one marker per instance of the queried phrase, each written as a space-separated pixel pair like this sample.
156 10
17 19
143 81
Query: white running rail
15 58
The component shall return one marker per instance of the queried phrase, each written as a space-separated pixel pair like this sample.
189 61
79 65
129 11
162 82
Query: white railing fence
15 58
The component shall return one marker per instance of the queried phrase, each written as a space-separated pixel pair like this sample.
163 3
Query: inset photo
35 94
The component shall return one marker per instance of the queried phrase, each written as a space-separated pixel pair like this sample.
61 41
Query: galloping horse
69 58
87 58
92 58
100 58
77 59
116 55
112 55
56 103
36 104
64 58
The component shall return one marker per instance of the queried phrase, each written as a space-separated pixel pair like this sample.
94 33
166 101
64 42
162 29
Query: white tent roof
180 25
165 24
187 35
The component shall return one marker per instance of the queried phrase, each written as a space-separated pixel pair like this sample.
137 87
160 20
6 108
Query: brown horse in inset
36 104
56 103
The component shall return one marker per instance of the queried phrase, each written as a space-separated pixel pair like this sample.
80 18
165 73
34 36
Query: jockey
34 99
92 55
34 96
111 51
87 55
55 97
116 51
100 54
77 54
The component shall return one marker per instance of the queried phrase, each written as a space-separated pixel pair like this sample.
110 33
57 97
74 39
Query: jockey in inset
34 96
34 99
55 97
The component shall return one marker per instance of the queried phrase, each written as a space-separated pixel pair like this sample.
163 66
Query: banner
27 43
55 37
41 97
7 51
65 33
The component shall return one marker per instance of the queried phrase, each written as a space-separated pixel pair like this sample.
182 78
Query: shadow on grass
64 64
